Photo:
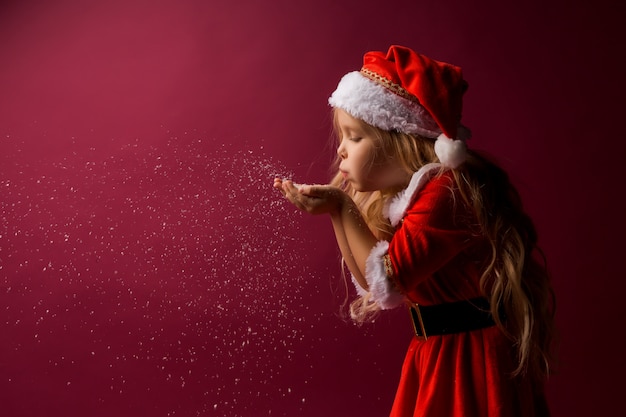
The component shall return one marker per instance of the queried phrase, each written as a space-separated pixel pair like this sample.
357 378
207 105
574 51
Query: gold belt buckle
416 318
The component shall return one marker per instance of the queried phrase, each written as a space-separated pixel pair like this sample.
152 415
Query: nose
341 151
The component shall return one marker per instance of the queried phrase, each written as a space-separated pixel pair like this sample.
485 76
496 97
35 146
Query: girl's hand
314 199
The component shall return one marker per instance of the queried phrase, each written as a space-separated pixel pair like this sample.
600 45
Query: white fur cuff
380 287
360 291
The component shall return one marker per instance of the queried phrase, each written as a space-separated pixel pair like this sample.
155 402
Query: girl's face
363 164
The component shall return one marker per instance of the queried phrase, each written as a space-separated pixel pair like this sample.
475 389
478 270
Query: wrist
342 202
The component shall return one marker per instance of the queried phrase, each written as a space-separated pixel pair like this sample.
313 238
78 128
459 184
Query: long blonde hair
515 278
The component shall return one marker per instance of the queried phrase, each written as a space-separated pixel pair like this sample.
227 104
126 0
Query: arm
354 237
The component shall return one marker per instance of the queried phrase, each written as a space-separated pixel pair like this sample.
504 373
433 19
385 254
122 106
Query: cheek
388 172
366 157
380 164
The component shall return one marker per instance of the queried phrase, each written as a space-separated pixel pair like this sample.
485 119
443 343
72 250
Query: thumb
310 190
318 191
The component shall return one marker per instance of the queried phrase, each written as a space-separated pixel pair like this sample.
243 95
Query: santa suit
436 256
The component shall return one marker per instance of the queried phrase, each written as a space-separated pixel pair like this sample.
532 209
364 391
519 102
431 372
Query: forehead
346 122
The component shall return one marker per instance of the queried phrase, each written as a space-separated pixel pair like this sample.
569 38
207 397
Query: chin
362 189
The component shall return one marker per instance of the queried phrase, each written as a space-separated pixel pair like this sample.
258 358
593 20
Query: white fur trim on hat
451 153
376 105
380 287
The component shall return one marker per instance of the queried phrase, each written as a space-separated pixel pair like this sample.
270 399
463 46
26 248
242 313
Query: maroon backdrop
146 266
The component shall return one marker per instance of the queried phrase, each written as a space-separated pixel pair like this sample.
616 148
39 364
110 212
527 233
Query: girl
424 222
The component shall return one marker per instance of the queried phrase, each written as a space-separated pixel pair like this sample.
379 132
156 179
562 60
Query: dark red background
146 266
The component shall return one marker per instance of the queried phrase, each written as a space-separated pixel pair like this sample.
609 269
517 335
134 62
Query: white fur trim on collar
397 207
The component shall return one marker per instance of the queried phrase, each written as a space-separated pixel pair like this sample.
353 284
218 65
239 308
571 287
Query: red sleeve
434 230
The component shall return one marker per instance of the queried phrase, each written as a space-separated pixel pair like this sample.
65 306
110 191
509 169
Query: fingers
316 191
288 190
278 184
310 198
295 196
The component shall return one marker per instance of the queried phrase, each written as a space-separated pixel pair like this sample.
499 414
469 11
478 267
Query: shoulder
429 183
439 182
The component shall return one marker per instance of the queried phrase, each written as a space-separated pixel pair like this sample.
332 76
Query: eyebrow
353 127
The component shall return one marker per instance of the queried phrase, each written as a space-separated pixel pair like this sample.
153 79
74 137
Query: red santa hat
411 93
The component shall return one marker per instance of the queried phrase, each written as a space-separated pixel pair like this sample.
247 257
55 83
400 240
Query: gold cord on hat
395 88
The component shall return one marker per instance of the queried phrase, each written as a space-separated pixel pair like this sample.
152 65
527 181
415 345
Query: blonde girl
424 222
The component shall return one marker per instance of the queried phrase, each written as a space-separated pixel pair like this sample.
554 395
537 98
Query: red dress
436 255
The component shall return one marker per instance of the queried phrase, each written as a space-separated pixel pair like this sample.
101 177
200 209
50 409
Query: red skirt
465 375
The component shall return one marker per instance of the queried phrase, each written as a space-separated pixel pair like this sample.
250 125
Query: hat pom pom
451 153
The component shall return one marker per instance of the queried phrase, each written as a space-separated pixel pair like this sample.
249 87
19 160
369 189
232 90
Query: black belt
449 318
